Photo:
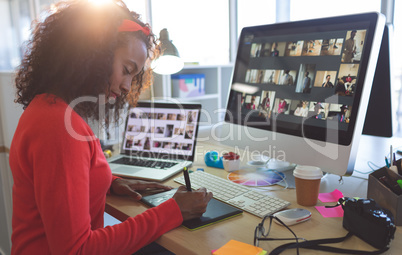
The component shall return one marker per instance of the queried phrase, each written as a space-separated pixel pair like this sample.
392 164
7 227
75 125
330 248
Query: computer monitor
380 119
300 90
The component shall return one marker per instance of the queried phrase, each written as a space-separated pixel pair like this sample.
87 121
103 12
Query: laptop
159 140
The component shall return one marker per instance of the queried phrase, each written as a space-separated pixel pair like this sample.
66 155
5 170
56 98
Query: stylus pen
187 179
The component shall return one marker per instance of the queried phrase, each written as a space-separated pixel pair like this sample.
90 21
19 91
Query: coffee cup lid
307 172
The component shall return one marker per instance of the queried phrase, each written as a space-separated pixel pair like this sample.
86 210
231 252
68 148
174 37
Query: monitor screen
308 79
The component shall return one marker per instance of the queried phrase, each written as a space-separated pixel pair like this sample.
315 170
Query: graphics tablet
216 210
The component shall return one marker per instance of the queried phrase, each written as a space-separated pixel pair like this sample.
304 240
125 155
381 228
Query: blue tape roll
212 159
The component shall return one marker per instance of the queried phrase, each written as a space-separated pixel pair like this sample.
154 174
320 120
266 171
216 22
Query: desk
241 228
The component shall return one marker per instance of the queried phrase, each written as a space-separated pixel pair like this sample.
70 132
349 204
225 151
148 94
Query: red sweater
61 178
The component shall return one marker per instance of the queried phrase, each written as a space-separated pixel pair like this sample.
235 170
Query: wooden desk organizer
383 195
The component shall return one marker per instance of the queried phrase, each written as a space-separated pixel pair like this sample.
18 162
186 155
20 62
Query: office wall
9 116
5 213
4 233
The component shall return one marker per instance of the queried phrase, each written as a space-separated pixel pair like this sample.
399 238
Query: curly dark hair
70 55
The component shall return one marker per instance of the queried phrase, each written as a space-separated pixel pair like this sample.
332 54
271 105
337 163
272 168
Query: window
397 51
44 4
198 29
9 56
24 19
311 9
255 12
44 7
138 6
395 47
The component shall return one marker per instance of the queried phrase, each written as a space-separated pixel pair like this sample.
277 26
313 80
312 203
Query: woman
83 60
282 106
342 113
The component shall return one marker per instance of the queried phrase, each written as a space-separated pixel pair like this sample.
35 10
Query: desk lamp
169 61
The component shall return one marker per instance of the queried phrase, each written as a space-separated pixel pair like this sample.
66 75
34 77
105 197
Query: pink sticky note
330 212
333 196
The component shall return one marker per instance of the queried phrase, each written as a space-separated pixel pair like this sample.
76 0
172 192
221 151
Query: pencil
187 179
386 162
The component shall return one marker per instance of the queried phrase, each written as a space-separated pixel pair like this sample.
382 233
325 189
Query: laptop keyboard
144 163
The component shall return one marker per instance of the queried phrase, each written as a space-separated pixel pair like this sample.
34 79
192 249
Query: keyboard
234 194
144 163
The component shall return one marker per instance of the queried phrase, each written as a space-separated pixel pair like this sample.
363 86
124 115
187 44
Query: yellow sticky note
234 247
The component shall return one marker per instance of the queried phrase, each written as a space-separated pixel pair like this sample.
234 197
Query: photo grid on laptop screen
166 131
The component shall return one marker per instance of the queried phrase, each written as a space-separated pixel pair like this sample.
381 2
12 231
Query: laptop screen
162 130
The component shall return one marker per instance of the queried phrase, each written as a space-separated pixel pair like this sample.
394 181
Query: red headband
131 26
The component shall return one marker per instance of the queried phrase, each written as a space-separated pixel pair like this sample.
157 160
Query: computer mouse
293 216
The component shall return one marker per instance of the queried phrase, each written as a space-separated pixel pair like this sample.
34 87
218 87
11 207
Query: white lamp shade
167 64
169 61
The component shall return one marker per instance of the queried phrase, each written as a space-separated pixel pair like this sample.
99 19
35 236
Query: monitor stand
274 165
290 180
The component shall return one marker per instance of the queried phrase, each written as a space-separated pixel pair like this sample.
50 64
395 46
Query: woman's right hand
192 204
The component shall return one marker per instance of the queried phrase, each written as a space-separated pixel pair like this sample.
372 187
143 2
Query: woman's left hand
131 186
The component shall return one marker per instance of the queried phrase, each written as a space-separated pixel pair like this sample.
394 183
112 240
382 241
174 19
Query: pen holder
383 193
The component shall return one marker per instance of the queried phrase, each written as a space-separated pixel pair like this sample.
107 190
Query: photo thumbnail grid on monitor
297 78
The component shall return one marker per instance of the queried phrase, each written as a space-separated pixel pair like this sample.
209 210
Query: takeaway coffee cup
307 180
